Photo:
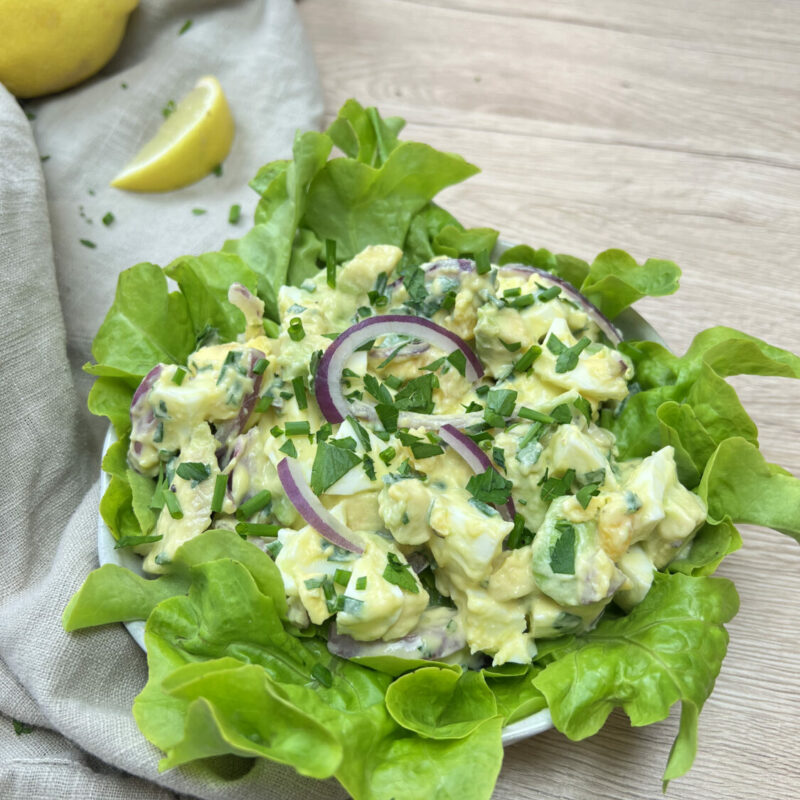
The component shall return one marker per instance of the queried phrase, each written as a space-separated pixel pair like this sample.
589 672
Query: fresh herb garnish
525 361
342 577
499 405
361 583
178 376
288 448
220 485
585 494
295 330
108 218
234 213
185 27
255 504
193 471
133 541
300 392
562 556
489 487
88 243
245 529
556 487
330 464
297 428
399 574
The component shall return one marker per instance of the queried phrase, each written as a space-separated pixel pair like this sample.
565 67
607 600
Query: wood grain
669 130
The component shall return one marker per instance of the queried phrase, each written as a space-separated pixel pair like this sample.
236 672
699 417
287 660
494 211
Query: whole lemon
50 45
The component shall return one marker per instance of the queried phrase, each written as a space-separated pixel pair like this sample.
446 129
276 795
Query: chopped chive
322 675
173 504
297 428
369 467
342 577
220 484
180 374
198 212
330 262
515 292
525 361
300 392
387 455
425 450
263 404
512 347
88 243
361 583
584 406
288 448
254 504
548 294
185 27
276 431
523 301
256 529
44 158
534 416
234 213
363 436
108 218
449 300
260 366
482 262
296 330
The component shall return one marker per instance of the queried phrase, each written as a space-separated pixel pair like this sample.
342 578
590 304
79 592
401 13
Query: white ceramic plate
629 322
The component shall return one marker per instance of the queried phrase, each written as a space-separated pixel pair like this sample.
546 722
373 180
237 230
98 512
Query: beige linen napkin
75 691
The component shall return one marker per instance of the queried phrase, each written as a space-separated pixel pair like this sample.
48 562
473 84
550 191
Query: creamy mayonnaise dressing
591 529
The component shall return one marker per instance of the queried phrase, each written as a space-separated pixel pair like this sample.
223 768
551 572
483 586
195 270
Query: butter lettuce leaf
145 326
669 649
440 703
204 281
740 485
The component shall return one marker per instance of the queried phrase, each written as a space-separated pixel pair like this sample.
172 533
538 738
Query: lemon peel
191 141
49 45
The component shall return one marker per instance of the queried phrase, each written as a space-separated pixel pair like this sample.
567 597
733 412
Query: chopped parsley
585 494
193 471
185 27
108 218
330 464
399 574
499 404
567 357
556 487
489 487
482 262
417 394
520 535
562 556
288 448
88 243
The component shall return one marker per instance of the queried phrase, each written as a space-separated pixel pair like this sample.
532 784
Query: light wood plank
668 130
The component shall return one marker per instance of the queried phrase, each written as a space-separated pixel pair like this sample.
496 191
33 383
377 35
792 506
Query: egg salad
444 560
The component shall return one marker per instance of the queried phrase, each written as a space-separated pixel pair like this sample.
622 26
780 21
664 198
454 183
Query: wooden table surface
669 130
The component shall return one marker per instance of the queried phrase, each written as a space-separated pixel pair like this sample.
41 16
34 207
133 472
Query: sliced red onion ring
476 460
233 427
311 509
592 311
328 383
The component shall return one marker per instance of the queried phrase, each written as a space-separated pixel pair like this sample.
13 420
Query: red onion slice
328 383
476 460
591 310
311 509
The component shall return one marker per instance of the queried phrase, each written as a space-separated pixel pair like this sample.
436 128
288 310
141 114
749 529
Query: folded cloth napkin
66 729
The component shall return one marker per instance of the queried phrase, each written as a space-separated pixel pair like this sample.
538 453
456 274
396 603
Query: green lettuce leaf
615 281
114 594
440 703
111 398
204 282
145 326
667 650
515 695
740 485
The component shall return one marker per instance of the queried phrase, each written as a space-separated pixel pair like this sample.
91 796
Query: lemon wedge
192 140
